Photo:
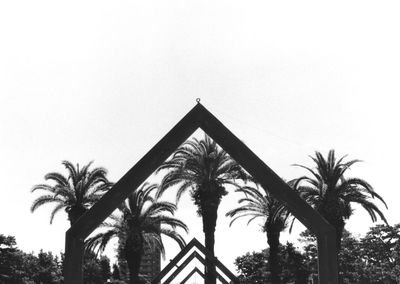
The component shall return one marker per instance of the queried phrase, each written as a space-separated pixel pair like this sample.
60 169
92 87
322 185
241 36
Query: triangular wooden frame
200 117
195 270
194 243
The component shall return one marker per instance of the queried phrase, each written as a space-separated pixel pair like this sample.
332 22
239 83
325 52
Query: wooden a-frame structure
194 243
200 117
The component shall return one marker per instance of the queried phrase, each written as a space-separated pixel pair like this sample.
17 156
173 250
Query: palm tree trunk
134 261
273 259
209 224
133 255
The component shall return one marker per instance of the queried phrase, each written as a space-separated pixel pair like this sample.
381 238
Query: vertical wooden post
73 261
327 258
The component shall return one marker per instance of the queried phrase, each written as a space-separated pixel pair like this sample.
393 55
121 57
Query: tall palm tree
257 205
332 194
142 223
205 169
75 193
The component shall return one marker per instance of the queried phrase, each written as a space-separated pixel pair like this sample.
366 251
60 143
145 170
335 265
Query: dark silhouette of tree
205 169
373 259
332 194
294 265
380 249
258 205
17 267
253 267
105 268
92 269
115 273
75 193
143 221
48 268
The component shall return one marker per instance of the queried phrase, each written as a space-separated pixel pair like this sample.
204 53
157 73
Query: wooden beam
264 175
73 259
194 243
327 258
219 277
191 274
216 261
174 262
181 267
137 174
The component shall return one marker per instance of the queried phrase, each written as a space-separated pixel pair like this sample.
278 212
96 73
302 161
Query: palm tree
75 193
332 194
205 169
141 225
256 205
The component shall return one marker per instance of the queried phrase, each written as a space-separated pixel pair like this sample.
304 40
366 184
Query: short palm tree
258 205
205 169
142 223
332 194
75 193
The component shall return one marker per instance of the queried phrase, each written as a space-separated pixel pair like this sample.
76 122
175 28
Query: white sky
104 81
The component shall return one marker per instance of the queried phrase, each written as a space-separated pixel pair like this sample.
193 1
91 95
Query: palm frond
57 177
55 211
44 199
99 242
45 187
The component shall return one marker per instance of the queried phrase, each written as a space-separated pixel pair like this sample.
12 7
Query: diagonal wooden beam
261 172
216 261
219 277
174 262
137 174
195 270
194 243
194 255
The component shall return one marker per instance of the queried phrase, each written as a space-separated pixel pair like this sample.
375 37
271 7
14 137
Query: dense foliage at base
372 259
18 267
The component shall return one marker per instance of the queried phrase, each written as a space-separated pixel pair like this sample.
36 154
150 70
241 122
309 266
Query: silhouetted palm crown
141 225
75 193
258 205
205 169
142 216
202 167
332 194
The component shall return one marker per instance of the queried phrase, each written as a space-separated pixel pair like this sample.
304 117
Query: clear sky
104 81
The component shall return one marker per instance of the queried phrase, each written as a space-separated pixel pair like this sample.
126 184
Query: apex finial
198 100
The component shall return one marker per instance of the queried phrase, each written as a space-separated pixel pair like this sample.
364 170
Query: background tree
332 194
253 267
92 269
48 269
105 268
115 272
143 222
258 205
204 169
294 266
75 193
380 249
18 267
